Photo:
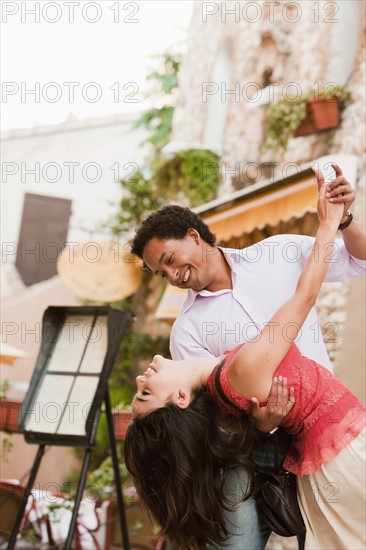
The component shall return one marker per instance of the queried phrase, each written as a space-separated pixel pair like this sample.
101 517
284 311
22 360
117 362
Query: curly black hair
169 222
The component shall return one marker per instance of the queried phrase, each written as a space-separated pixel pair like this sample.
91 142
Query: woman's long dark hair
179 460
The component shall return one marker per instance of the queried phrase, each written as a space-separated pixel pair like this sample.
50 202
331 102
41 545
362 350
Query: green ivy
158 120
101 480
200 175
192 176
168 76
282 120
159 123
139 197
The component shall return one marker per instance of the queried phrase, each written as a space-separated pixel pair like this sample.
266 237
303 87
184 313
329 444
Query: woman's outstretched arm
252 368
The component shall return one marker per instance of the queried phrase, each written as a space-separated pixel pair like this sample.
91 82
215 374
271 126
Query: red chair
37 520
38 523
11 495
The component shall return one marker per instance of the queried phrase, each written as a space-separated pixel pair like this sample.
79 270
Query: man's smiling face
182 262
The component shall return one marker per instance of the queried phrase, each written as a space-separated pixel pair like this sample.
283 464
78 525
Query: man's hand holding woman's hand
332 195
280 402
330 207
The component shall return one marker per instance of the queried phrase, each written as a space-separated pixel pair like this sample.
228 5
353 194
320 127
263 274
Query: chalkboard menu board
70 380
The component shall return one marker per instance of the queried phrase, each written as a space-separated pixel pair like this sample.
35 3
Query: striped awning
269 208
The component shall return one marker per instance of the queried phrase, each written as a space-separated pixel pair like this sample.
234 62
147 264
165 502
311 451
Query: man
233 292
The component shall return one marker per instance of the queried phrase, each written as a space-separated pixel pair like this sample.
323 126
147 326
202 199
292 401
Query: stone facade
291 41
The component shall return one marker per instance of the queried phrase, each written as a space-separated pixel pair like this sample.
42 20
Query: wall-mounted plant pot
321 114
9 414
121 421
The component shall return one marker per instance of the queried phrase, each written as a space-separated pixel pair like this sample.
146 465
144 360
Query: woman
180 460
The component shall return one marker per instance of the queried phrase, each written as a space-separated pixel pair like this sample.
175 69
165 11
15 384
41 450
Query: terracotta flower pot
9 414
121 421
321 114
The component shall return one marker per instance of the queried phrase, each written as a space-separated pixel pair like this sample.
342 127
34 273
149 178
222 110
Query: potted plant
9 414
9 409
300 116
122 417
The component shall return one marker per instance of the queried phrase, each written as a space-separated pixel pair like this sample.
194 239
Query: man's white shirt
264 277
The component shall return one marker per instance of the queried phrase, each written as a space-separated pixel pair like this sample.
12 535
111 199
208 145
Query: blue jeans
247 530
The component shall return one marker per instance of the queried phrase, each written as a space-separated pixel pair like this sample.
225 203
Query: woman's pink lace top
324 420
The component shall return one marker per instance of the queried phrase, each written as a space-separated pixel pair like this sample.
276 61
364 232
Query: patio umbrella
9 354
100 271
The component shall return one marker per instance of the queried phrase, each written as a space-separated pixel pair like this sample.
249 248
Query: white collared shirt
264 276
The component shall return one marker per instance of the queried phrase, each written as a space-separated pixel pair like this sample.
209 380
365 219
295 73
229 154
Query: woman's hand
339 190
334 199
280 402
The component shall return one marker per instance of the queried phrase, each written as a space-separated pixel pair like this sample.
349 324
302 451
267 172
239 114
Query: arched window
217 103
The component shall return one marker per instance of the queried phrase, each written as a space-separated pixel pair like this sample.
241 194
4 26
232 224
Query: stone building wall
291 38
297 51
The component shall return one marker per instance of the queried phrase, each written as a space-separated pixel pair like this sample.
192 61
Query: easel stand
81 486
